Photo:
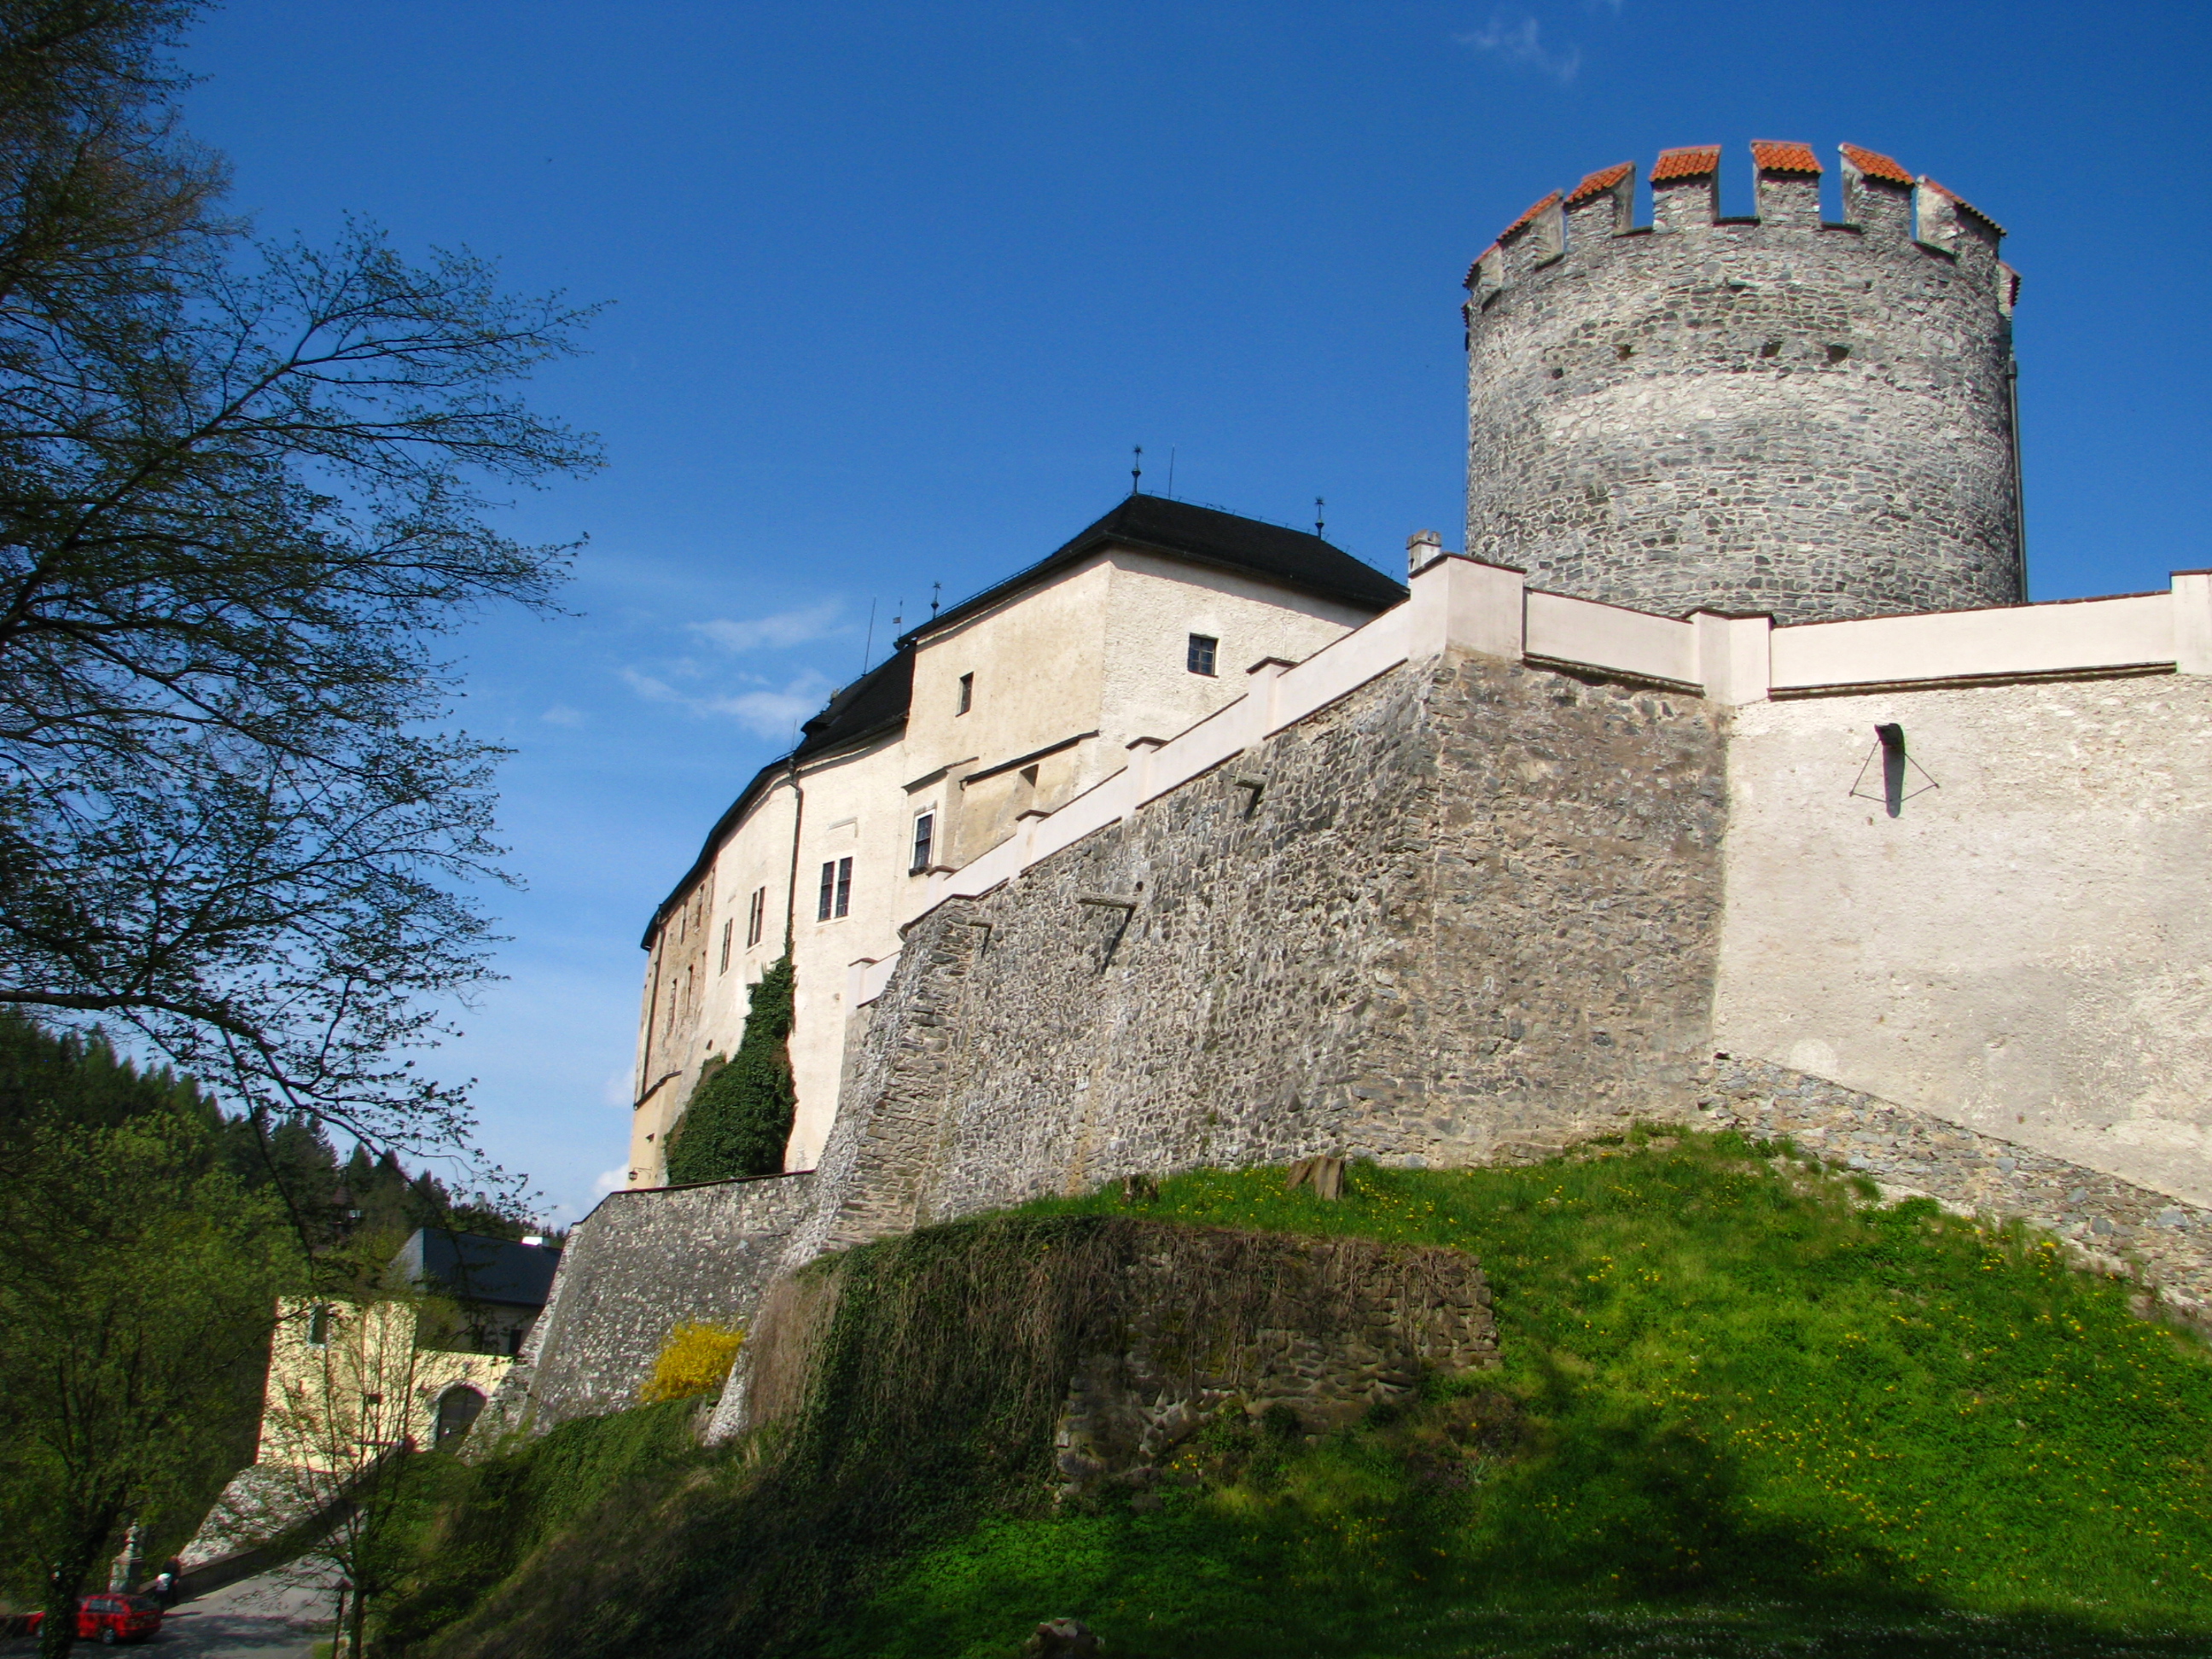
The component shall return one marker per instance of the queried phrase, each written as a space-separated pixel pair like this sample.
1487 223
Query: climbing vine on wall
740 1116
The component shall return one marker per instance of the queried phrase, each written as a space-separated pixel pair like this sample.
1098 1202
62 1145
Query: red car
112 1619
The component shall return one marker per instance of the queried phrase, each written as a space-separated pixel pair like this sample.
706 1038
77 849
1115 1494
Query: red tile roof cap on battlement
1695 161
1875 164
1474 269
1597 184
1528 218
1961 204
1772 155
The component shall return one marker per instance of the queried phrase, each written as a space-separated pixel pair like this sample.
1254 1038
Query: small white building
1003 708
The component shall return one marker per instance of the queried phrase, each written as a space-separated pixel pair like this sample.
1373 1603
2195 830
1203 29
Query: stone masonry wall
1473 903
1350 1324
1470 913
1779 414
2110 1223
642 1262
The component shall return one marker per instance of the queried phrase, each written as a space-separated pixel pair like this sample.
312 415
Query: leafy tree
242 489
739 1118
137 1281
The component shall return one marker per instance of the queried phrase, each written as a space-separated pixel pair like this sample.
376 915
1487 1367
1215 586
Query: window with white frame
836 897
756 917
925 842
1204 648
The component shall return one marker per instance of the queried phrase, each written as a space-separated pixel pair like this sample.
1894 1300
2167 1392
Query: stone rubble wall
1140 1329
642 1262
1469 913
1474 901
2109 1223
1353 1324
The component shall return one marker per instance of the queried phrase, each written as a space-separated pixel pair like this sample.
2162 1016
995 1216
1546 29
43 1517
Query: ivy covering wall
739 1118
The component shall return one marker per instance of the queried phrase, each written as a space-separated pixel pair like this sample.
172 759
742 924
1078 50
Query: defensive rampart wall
644 1261
1505 868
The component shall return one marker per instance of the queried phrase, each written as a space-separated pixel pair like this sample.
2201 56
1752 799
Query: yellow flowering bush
695 1360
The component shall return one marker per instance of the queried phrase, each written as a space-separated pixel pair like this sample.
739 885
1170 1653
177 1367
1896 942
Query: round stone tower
1778 414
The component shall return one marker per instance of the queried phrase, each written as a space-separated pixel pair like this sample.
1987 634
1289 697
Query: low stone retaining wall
2111 1224
642 1263
1141 1330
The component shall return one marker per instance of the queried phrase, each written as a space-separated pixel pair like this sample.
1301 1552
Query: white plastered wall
1153 607
857 807
2026 949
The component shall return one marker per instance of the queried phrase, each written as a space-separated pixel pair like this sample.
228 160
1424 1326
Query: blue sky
896 287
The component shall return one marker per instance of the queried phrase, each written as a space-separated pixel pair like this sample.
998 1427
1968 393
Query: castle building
1727 778
991 715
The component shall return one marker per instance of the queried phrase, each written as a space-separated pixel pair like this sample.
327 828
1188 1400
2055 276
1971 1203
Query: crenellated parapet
1782 412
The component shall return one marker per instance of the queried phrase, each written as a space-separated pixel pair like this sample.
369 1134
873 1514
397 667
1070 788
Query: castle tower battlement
1779 413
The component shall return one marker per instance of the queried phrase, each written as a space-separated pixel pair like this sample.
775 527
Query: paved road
276 1615
281 1614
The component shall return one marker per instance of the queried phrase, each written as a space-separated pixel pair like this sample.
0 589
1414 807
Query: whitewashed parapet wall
1734 660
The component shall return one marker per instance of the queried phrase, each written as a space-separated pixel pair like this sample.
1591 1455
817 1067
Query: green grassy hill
1741 1411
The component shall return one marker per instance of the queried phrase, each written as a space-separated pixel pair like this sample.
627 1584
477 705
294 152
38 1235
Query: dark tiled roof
1597 184
1772 156
471 1268
1695 161
1875 164
1207 536
875 703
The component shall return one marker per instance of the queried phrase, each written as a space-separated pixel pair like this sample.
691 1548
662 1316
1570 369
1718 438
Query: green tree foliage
144 1236
137 1282
242 490
739 1118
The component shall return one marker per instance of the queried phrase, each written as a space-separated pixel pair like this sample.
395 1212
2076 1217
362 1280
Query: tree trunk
65 1581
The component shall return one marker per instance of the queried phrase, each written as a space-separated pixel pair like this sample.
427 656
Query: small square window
925 838
1203 647
967 694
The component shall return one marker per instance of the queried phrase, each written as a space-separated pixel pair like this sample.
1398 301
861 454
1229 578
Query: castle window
836 898
728 928
756 917
967 694
318 1326
925 836
1203 647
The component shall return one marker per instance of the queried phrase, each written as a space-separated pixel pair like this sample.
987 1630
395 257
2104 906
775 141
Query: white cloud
610 1180
767 713
615 1090
1520 43
786 628
561 714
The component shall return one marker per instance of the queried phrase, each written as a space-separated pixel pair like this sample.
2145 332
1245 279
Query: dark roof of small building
876 703
1296 559
470 1267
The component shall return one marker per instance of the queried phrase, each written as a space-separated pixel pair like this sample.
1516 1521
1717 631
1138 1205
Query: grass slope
1740 1412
